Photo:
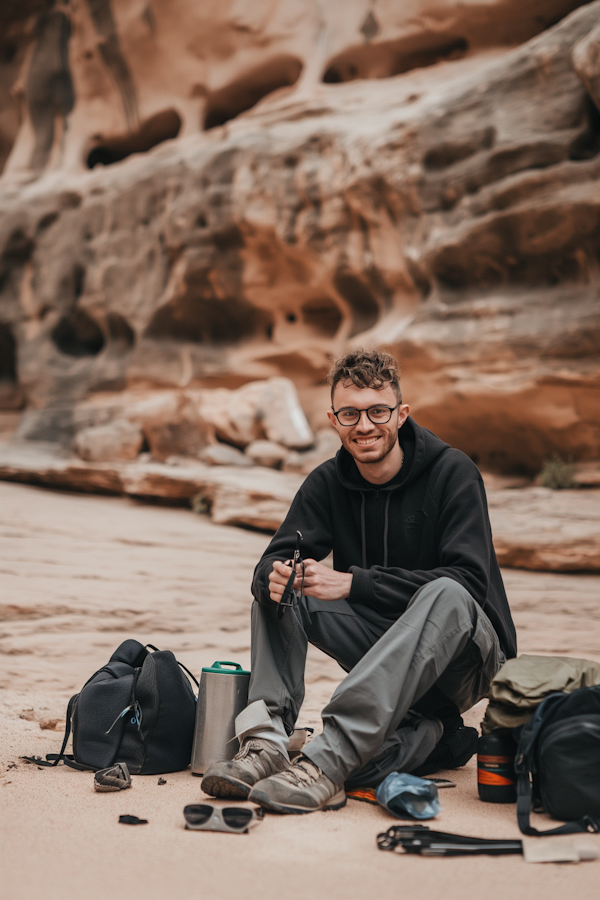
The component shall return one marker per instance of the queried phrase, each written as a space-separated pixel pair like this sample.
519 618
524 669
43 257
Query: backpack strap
180 664
53 759
524 810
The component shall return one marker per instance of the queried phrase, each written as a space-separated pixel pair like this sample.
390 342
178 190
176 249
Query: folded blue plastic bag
407 796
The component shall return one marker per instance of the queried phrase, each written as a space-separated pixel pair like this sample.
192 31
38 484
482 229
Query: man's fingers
281 572
275 590
278 579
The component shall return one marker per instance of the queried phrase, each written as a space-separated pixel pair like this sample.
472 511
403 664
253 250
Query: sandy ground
79 574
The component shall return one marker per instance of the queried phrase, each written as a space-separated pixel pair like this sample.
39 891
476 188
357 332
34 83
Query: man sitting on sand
414 608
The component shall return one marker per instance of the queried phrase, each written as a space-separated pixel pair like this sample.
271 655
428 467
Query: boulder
282 416
266 453
260 409
224 455
554 531
120 439
248 508
171 425
233 414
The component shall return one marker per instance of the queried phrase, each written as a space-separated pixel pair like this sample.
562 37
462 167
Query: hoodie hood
427 448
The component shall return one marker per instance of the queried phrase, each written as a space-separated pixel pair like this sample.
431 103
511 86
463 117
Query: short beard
381 456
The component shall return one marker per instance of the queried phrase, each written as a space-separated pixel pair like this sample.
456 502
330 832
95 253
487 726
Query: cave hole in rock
162 126
11 396
208 320
18 248
226 239
587 144
122 335
291 317
46 221
388 58
8 355
246 90
364 306
77 334
322 315
8 53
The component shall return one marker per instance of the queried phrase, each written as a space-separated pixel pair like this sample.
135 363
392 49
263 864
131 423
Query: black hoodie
430 521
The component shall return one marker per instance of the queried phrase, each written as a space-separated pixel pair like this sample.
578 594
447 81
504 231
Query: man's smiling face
369 444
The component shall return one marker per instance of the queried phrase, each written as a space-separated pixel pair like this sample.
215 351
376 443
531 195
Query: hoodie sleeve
310 513
464 550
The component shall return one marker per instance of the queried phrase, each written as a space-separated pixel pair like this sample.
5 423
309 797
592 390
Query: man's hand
319 581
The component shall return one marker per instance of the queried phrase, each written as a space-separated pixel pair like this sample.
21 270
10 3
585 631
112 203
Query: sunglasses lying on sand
236 819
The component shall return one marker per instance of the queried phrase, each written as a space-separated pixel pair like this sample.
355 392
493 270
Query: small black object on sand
132 820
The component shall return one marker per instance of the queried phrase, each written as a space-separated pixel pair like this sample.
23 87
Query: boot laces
302 773
248 748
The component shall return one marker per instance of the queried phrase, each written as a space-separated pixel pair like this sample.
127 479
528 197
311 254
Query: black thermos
496 779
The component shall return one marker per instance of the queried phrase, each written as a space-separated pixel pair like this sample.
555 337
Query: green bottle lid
217 669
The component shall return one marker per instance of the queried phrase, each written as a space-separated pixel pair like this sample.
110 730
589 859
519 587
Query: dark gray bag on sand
558 762
139 709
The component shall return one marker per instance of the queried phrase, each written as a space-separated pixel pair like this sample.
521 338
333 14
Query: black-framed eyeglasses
378 415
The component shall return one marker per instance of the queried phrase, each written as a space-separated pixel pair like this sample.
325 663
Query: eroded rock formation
406 180
142 71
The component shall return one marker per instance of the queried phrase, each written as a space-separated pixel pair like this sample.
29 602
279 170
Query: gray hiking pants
443 639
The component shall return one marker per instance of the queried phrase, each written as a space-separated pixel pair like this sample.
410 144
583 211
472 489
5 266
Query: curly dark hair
366 369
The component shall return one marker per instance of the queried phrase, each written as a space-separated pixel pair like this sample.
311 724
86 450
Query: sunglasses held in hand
235 819
289 595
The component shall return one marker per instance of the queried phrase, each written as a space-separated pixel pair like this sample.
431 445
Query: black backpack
139 709
558 762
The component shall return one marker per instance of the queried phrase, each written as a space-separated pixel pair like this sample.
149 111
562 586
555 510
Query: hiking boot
255 760
301 788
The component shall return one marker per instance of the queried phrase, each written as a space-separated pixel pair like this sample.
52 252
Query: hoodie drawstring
363 531
385 529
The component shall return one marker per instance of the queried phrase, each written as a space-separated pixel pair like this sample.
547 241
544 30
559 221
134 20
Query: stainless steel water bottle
496 777
222 695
